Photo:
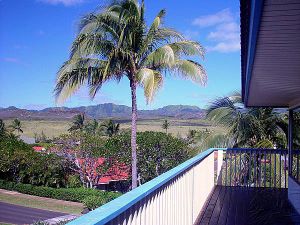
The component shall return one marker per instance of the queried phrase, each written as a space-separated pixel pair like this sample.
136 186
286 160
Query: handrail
109 211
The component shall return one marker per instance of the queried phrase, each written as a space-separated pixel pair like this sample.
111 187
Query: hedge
90 197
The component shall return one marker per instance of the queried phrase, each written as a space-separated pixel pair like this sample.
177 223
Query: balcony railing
255 168
180 195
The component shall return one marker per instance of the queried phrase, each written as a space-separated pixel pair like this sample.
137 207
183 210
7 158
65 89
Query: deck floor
248 206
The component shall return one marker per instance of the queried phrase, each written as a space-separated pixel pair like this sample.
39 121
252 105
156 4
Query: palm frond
189 69
151 81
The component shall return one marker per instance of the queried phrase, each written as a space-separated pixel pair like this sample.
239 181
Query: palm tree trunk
133 135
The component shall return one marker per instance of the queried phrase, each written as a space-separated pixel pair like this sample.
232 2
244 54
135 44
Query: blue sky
35 37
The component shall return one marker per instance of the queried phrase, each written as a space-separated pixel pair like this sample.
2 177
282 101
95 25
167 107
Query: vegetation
247 126
55 128
16 126
110 128
165 125
78 123
116 42
21 164
41 203
68 194
157 152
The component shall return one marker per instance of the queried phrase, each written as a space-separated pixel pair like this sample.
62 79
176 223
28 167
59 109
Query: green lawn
41 203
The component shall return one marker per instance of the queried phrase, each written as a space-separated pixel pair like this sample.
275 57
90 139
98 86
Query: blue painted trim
109 211
255 17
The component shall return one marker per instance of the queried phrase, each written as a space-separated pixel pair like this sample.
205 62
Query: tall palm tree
165 125
91 127
78 123
2 128
16 126
246 126
110 127
116 42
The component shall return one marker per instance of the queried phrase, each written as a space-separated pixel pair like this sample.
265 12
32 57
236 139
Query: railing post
290 140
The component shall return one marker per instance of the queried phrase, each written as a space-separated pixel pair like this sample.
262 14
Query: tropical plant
157 152
16 126
2 128
110 127
246 126
78 123
91 127
116 42
165 125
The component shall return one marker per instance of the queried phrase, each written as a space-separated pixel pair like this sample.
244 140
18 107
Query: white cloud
13 60
225 33
214 19
64 2
224 47
191 34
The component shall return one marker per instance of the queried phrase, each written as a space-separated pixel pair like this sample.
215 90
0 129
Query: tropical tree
165 125
16 126
78 123
246 126
116 42
2 128
91 127
110 127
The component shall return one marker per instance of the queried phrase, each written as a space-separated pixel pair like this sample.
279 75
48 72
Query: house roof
38 148
270 52
117 172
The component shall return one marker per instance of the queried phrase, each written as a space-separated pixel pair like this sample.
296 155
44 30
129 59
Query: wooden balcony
248 206
218 186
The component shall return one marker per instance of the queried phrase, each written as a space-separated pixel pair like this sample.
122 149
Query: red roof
117 172
38 148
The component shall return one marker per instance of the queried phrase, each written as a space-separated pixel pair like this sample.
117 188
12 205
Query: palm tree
78 123
2 128
116 42
166 125
16 126
110 127
245 126
91 127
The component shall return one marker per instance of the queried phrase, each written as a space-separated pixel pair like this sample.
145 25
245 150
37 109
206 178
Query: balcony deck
248 206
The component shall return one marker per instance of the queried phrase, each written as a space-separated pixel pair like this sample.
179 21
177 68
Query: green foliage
2 128
157 152
93 202
16 126
18 162
246 126
58 223
96 197
74 181
78 123
126 46
41 138
165 125
91 127
110 128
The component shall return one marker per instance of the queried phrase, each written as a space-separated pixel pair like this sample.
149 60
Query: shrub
67 194
92 202
73 181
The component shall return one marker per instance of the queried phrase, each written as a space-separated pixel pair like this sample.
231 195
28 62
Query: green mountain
107 110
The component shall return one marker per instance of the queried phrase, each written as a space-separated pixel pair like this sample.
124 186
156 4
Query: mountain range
101 111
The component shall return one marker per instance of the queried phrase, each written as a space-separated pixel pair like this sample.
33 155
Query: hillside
107 110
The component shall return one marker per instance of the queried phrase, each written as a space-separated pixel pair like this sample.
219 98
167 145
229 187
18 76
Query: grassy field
177 127
40 203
